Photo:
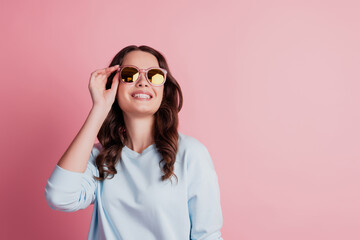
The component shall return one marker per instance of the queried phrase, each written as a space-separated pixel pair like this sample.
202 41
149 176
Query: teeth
139 95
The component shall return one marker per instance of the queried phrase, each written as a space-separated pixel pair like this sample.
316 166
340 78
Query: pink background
270 87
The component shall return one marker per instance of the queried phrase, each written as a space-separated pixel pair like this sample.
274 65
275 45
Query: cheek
160 94
122 90
121 94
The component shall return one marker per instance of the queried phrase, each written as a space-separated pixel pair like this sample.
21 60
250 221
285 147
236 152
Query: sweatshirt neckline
136 154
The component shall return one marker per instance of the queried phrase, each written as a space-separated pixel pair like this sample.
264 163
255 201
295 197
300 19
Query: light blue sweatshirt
136 204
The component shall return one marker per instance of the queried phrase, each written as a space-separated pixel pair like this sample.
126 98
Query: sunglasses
131 74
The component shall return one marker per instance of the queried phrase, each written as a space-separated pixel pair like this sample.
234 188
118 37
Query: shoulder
188 143
194 152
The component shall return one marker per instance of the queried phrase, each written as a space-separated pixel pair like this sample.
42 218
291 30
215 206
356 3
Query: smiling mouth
141 96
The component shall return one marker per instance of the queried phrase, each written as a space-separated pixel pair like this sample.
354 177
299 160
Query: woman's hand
100 96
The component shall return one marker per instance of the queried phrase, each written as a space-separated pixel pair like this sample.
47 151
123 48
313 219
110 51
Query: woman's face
135 106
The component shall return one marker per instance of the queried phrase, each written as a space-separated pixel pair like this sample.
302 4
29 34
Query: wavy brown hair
113 135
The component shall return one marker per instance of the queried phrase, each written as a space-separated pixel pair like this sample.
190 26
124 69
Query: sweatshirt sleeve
70 191
203 195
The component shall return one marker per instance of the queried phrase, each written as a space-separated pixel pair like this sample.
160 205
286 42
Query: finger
106 70
109 70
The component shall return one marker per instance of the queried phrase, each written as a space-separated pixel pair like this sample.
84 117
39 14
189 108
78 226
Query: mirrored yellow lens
156 76
129 74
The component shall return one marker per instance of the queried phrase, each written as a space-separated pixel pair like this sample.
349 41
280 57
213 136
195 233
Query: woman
128 174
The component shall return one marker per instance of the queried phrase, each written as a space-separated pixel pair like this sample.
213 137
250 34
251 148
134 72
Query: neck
139 132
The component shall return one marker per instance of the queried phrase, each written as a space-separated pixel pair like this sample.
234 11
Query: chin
139 111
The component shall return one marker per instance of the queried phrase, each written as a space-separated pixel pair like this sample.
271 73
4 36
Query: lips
141 94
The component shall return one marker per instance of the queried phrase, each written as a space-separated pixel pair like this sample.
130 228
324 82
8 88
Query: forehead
140 59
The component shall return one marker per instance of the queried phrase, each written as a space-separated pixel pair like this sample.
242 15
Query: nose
142 82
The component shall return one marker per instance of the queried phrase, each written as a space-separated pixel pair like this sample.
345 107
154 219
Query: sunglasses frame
144 71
